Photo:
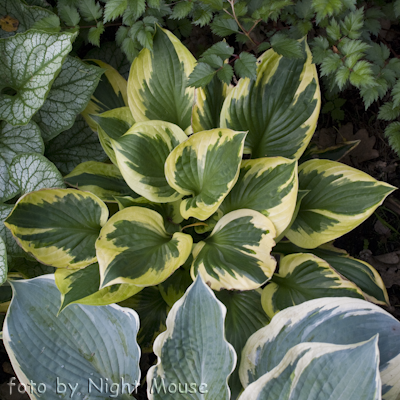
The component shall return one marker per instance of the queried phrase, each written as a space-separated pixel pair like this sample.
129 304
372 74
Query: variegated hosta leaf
279 109
58 227
103 180
74 146
237 254
267 185
206 166
364 275
11 244
82 348
15 140
333 153
3 262
109 94
141 154
340 199
304 277
152 310
32 172
134 247
157 82
82 286
29 63
193 350
112 125
244 317
336 320
322 371
68 96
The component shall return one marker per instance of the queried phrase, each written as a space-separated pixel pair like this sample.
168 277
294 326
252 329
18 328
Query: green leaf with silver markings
153 258
3 262
205 166
29 64
141 154
198 315
156 94
340 199
237 254
285 84
58 227
103 180
304 277
268 185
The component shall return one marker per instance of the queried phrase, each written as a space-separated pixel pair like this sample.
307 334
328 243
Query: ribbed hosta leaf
206 166
193 350
154 93
29 64
340 198
84 346
68 96
3 262
267 185
304 277
339 320
82 286
322 371
58 227
103 180
279 108
134 247
237 254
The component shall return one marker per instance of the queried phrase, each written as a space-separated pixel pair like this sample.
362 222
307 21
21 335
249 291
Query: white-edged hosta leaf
74 146
205 166
3 262
82 286
134 247
5 234
84 346
322 371
340 198
103 180
244 316
195 327
304 277
237 254
336 320
279 108
31 172
13 141
154 92
141 154
58 227
68 96
364 275
268 185
29 63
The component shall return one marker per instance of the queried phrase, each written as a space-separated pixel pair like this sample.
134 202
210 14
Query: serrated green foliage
182 9
286 46
201 75
224 26
225 74
392 132
245 65
220 49
388 111
94 34
69 14
113 9
396 94
353 23
326 8
90 10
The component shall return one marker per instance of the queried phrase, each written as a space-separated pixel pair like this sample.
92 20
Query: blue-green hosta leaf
279 109
193 350
13 141
29 64
134 247
322 371
68 96
340 199
58 227
141 154
155 93
82 286
268 185
304 277
31 172
237 254
339 320
74 146
103 180
6 235
84 346
3 262
206 166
